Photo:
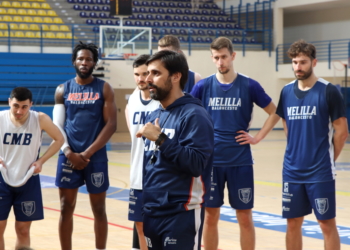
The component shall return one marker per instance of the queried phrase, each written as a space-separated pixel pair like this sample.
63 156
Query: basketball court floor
270 227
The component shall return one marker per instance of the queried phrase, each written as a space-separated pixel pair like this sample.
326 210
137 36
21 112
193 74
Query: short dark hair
174 62
169 40
141 60
302 47
21 94
90 46
222 42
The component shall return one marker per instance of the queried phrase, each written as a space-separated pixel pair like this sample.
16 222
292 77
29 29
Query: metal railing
327 51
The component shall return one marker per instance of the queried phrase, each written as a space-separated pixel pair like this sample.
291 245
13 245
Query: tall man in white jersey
139 106
313 115
20 141
228 97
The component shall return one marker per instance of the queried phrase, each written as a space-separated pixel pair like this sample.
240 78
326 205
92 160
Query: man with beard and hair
179 141
85 112
229 97
313 115
139 106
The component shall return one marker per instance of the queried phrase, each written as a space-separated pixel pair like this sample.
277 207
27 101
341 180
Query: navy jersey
190 82
231 107
84 116
309 155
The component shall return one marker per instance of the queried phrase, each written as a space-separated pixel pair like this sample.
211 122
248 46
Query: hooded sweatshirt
177 179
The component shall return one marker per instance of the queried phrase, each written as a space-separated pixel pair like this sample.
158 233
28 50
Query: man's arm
127 116
59 118
58 140
246 138
197 77
110 119
341 134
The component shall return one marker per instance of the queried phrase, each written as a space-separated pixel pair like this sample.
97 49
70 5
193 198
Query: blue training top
309 155
190 82
84 116
231 108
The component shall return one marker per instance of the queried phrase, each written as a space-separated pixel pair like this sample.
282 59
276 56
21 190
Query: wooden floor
268 156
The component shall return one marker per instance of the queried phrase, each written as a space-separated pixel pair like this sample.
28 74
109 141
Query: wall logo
28 207
97 179
245 194
286 187
322 205
170 241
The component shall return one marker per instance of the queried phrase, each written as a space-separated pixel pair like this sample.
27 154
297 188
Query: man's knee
22 231
245 218
295 223
327 226
212 216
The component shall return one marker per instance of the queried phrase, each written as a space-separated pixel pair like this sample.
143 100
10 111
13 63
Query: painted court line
261 220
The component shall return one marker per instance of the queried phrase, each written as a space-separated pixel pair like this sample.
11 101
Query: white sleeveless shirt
137 113
19 147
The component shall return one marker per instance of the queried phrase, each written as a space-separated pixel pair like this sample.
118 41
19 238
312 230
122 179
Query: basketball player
20 164
178 157
170 42
85 112
140 105
313 115
228 97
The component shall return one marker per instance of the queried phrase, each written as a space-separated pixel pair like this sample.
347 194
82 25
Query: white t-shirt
19 147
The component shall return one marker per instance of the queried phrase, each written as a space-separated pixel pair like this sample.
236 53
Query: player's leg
322 197
97 183
68 199
2 231
212 209
23 234
294 233
68 181
295 205
135 239
28 207
240 184
135 214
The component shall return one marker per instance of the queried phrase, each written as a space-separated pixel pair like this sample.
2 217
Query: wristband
161 138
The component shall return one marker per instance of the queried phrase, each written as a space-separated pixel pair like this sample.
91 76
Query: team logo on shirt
97 179
245 194
228 103
28 207
169 241
83 98
301 112
322 205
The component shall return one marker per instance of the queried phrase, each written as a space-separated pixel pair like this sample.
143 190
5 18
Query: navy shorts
26 200
173 232
299 199
135 205
94 175
240 185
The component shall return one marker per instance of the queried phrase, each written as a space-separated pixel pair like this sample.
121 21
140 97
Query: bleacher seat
16 4
47 20
83 14
90 1
23 26
152 10
50 35
199 39
202 25
237 26
89 21
204 19
105 8
3 26
77 7
170 11
93 15
138 23
99 22
149 17
140 16
147 23
159 17
183 32
194 19
26 5
13 26
45 6
186 18
228 26
171 5
213 13
64 28
236 40
228 33
54 28
34 27
178 11
29 34
22 12
210 33
45 27
103 15
160 10
163 4
28 19
236 33
31 12
60 35
109 22
100 2
188 12
154 4
2 11
166 24
142 10
156 23
42 13
193 25
6 4
185 25
205 12
86 8
145 3
175 24
180 5
136 3
36 6
219 26
17 19
155 31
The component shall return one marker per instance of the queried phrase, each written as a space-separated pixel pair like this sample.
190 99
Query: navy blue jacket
179 179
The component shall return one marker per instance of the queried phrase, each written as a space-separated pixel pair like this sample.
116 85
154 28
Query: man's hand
245 138
78 160
2 162
37 167
150 131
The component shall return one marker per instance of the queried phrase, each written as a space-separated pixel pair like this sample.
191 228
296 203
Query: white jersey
137 113
19 147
